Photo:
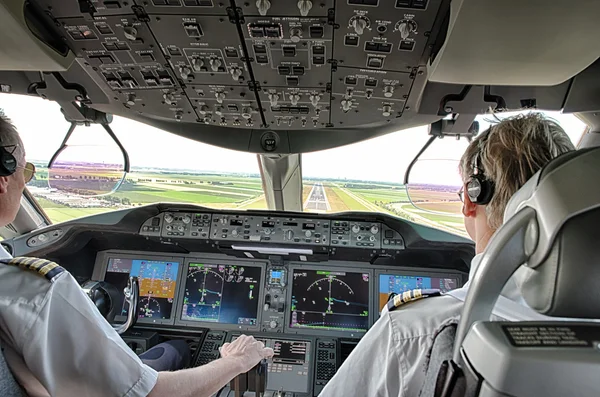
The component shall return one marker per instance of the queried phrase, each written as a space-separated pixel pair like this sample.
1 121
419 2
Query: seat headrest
562 275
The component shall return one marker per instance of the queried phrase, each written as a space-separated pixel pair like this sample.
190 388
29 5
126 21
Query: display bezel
413 272
307 331
102 265
213 325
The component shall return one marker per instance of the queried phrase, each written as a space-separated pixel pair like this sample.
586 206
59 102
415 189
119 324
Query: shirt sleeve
373 367
73 351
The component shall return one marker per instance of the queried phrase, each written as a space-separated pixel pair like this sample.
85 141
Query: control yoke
132 294
109 301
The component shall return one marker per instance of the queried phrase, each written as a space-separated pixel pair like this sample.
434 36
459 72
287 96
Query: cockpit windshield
365 176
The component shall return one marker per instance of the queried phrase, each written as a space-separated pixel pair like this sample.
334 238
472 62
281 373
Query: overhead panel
282 65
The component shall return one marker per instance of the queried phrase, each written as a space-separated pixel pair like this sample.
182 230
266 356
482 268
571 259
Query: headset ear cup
480 190
8 163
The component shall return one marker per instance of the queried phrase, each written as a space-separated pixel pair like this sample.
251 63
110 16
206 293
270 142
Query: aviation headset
479 188
8 162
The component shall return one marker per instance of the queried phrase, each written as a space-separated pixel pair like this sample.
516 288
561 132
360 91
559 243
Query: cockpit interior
273 168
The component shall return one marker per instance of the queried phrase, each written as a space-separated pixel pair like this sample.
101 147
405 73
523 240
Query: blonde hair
511 152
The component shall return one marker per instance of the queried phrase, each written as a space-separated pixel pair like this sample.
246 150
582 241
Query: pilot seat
548 243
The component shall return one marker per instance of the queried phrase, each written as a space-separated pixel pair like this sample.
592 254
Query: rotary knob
220 96
273 98
314 99
169 98
263 6
180 228
355 229
406 27
236 73
386 111
197 64
178 115
374 229
346 105
294 99
130 33
187 219
359 24
185 72
289 235
308 233
304 6
234 233
372 238
168 218
204 109
273 324
219 110
215 64
295 35
267 231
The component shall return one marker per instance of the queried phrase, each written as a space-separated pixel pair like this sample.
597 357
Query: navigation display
397 283
224 294
330 300
158 283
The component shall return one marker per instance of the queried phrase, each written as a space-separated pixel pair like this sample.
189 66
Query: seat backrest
8 385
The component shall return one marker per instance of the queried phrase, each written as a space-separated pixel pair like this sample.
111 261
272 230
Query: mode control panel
356 234
270 229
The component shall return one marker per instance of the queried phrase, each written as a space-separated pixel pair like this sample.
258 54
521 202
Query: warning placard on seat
548 335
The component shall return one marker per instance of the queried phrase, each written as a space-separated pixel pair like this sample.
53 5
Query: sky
43 127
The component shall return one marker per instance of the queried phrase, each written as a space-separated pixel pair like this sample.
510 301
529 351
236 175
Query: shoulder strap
44 267
397 300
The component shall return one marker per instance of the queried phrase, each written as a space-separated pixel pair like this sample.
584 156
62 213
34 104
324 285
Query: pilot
392 358
56 342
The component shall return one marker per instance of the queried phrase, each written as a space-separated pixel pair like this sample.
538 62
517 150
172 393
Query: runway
317 199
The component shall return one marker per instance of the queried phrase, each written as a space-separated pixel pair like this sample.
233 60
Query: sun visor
515 42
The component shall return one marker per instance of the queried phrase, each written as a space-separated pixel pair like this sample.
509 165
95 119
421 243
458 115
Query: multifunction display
157 280
221 293
330 300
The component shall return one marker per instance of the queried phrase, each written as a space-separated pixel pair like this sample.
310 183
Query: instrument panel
252 64
216 291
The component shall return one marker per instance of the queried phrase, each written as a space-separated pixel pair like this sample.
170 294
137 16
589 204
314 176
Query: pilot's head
11 184
499 162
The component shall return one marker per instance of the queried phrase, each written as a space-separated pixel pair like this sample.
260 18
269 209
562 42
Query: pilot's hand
247 351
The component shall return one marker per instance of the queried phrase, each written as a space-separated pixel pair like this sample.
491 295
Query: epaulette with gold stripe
397 300
44 267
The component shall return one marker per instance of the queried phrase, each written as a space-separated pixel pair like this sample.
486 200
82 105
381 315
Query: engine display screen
157 280
330 300
224 294
289 352
398 284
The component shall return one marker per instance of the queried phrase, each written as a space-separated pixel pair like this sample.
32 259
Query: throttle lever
254 380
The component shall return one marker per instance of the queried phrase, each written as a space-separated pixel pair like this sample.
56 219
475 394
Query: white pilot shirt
57 343
391 359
